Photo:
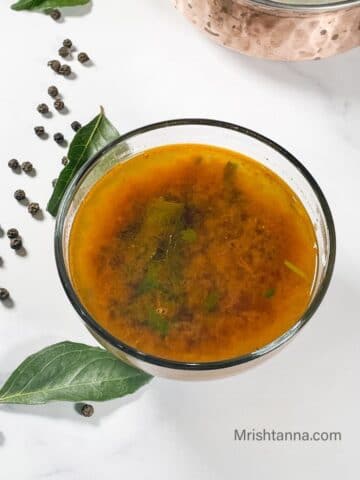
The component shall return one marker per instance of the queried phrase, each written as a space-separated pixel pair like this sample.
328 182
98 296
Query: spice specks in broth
197 254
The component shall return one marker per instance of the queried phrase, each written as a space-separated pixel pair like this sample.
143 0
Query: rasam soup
193 253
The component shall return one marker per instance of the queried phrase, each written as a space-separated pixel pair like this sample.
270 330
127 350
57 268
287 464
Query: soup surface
193 253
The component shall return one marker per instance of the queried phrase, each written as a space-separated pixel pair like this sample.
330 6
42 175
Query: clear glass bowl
220 134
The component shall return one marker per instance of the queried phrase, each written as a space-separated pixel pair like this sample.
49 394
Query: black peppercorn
67 43
16 243
55 14
76 126
59 104
65 70
33 208
63 52
12 233
40 131
4 294
19 195
55 65
64 160
13 164
43 108
54 182
27 167
59 138
53 91
83 57
87 410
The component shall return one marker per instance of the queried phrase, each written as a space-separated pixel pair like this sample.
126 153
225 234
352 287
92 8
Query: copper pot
276 30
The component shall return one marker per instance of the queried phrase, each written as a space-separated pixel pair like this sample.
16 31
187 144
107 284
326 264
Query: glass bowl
219 134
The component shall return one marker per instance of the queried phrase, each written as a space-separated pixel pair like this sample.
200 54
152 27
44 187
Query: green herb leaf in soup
71 372
211 302
158 256
269 293
158 322
189 235
295 269
89 140
46 4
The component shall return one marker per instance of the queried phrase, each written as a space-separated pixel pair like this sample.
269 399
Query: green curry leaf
71 372
89 140
46 4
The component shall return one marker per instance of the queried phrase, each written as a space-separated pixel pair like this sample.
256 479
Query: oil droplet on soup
193 253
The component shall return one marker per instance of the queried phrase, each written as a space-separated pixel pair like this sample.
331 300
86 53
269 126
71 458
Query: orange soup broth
242 272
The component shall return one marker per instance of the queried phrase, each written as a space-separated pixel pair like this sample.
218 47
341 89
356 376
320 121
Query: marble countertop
150 65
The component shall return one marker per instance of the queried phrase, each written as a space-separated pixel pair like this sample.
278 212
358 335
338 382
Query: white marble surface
150 65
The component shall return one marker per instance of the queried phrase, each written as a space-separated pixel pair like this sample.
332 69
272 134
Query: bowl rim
174 364
303 7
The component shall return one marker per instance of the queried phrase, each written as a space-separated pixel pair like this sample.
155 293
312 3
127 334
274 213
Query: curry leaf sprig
89 140
71 372
46 4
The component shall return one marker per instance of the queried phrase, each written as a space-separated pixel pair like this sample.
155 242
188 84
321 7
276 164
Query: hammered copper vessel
278 30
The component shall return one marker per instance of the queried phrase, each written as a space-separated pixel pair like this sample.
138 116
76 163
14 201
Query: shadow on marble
217 405
333 76
77 11
68 411
8 303
2 439
205 414
333 81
